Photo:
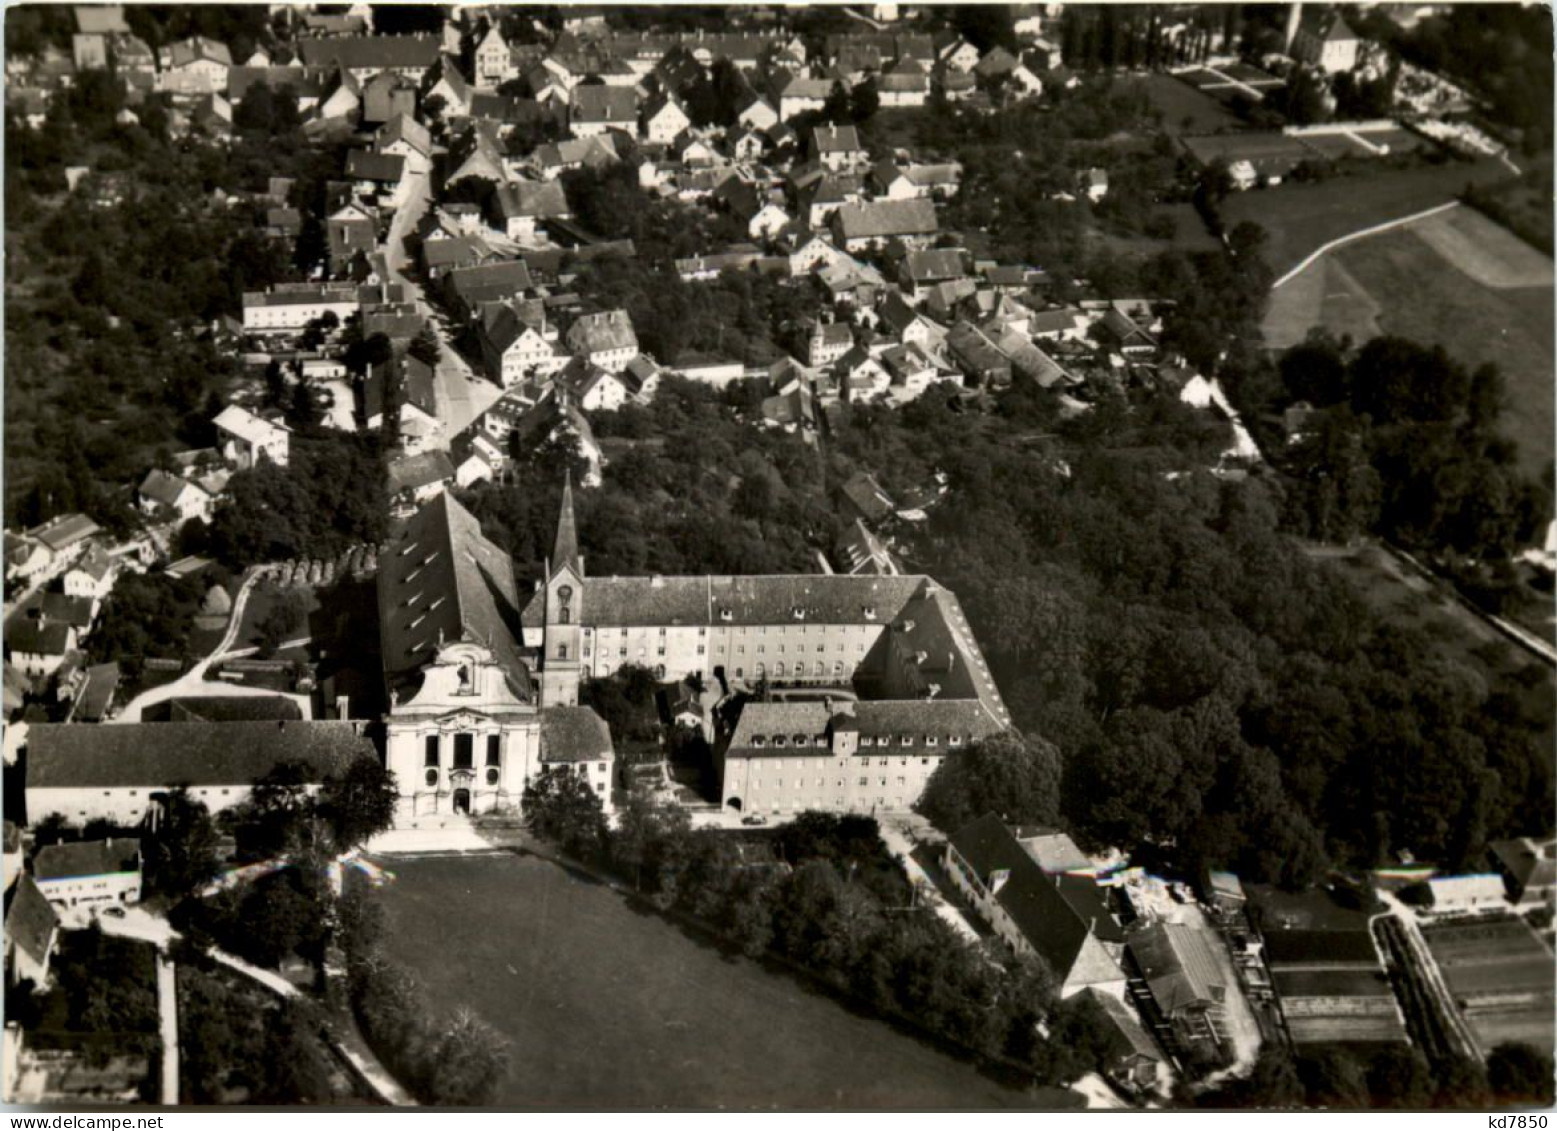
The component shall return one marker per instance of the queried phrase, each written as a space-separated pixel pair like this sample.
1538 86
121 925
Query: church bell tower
562 658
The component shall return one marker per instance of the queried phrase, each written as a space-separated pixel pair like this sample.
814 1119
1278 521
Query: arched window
659 671
740 673
778 670
762 671
562 651
565 615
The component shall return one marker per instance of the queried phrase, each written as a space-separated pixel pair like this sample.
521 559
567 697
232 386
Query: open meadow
608 1006
1455 279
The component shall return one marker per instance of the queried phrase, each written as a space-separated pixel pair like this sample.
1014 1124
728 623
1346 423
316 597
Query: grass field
1456 279
1500 975
1186 110
1300 218
609 1007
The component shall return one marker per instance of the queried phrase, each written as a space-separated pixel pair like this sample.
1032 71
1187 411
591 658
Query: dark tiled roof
30 920
1048 917
565 546
617 104
914 719
359 52
32 638
412 472
441 579
1179 966
74 611
1123 1021
574 734
67 756
233 709
366 166
884 219
87 858
490 281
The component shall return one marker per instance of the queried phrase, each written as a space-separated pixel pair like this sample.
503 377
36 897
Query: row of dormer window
762 740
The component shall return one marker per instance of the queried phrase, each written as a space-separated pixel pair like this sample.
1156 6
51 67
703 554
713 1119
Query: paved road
193 683
461 394
167 1009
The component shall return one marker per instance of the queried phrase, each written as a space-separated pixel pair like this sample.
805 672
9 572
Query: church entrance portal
462 801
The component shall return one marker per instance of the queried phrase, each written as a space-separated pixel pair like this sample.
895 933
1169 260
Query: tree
1014 776
181 851
359 804
425 347
564 809
469 1063
1520 1073
649 834
274 822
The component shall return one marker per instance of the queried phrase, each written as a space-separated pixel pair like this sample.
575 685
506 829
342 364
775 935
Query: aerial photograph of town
807 557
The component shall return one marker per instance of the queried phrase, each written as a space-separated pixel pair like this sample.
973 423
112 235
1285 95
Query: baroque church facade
874 680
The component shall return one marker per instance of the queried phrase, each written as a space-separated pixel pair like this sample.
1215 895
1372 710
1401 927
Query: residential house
1323 39
592 388
95 701
1138 1064
1092 184
1528 867
65 537
860 226
606 339
663 119
91 576
350 231
861 552
449 86
745 145
576 153
1061 919
978 358
466 289
246 440
756 113
908 325
796 95
807 252
956 86
911 372
593 110
403 136
523 204
862 376
419 425
89 872
1061 324
514 348
824 342
838 148
553 418
494 59
485 159
38 646
958 55
378 178
386 95
416 479
25 558
1122 333
642 377
921 269
164 493
195 66
907 83
891 181
999 66
792 409
477 460
31 933
866 499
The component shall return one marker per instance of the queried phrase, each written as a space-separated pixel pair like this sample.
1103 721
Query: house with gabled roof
838 148
37 646
663 118
592 110
860 226
521 205
605 338
195 66
248 440
494 61
91 576
363 56
907 83
1060 918
387 94
404 137
1325 40
164 492
449 85
89 872
31 934
515 347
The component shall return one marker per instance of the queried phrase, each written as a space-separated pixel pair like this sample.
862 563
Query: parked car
754 819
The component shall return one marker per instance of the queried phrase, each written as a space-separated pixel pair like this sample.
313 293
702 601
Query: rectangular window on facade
600 769
464 751
864 781
431 756
600 787
494 749
701 649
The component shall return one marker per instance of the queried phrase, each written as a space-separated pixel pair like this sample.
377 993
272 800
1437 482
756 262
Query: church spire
565 552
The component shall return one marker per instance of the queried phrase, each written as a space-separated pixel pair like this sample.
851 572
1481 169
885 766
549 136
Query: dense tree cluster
329 497
825 894
1202 680
1387 1077
448 1059
661 510
1108 36
147 615
240 1044
1405 443
1016 777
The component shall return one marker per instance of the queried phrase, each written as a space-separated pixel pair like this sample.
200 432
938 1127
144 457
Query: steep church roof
441 580
565 550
